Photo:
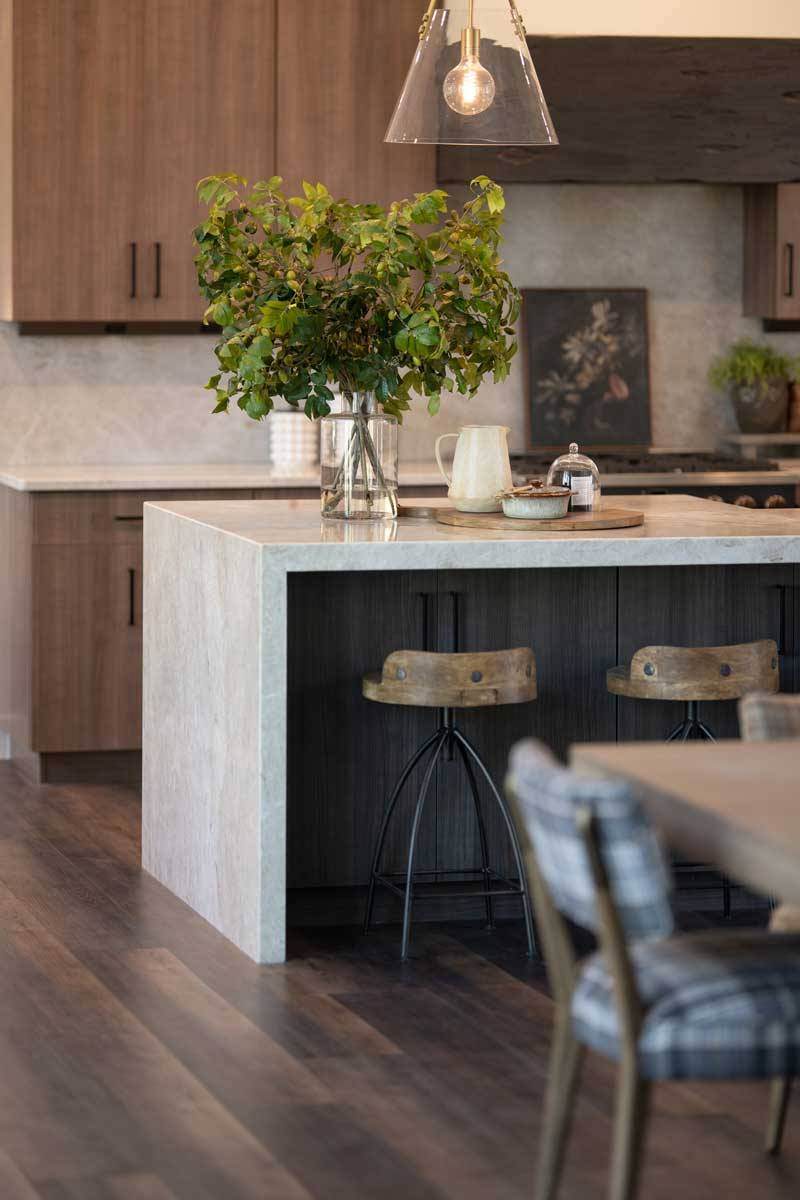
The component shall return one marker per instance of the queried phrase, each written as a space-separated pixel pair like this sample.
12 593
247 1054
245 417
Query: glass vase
358 460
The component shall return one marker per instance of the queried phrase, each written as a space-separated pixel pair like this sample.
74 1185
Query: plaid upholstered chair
662 1006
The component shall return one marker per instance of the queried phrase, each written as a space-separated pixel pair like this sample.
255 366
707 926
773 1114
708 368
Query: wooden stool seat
697 673
430 680
449 682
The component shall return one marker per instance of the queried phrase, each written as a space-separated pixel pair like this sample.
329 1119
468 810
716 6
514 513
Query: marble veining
215 663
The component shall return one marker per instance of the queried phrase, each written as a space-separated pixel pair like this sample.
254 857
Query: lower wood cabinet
87 648
71 629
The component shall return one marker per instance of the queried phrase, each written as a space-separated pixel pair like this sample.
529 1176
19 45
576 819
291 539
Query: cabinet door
209 107
340 70
78 163
788 252
568 617
87 647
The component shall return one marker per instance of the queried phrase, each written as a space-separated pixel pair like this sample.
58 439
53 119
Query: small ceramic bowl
536 502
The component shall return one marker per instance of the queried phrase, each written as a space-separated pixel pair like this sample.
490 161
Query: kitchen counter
192 476
259 620
678 530
154 477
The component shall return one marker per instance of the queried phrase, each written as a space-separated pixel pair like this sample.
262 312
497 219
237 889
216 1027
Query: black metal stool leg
693 727
473 783
387 816
512 833
676 733
408 899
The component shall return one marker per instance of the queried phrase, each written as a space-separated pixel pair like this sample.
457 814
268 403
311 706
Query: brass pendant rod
516 19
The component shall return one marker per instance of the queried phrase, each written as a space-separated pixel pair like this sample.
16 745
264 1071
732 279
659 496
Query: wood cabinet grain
772 251
71 567
76 158
340 70
208 106
111 112
87 648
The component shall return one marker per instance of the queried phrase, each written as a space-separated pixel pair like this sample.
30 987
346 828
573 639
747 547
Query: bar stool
448 682
695 675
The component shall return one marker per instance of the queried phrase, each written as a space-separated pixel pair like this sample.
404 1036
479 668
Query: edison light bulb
469 87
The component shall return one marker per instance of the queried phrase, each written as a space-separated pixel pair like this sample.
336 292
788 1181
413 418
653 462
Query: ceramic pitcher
481 467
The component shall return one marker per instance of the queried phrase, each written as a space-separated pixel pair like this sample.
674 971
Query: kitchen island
264 769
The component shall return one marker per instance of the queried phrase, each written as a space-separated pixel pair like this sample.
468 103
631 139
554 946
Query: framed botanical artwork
588 375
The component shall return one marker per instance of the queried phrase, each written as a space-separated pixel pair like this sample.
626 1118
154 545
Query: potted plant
757 378
313 293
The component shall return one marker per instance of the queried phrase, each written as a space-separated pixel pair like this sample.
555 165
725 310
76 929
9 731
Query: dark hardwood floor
144 1058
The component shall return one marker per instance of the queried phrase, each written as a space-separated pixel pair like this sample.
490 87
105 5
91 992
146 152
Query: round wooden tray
606 518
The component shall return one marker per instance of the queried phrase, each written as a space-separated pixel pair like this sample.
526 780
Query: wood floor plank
13 1184
163 1099
142 1057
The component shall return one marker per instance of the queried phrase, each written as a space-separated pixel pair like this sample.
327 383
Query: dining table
733 804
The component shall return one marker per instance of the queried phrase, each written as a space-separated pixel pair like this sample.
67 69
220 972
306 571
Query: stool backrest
490 677
709 672
548 800
764 718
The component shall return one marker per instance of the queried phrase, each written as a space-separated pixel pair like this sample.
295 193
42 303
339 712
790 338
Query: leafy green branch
311 292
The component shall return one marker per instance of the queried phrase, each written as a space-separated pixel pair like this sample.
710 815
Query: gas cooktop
639 464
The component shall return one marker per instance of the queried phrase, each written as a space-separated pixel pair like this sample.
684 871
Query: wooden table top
733 804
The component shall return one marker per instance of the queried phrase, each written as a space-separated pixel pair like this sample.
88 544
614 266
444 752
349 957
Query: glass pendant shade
472 82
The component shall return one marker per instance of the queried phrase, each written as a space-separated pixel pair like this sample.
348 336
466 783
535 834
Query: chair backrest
706 672
765 718
548 799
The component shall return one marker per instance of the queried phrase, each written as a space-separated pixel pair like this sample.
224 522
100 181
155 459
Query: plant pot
762 407
358 461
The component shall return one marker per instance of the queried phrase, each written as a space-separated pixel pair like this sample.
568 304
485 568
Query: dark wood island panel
345 754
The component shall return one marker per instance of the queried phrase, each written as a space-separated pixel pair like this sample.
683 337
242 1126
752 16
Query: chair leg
778 1106
387 816
408 899
473 783
512 833
630 1121
566 1057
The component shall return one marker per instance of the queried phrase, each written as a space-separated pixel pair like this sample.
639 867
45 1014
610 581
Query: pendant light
472 81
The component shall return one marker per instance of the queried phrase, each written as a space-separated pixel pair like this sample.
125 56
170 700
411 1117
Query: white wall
664 18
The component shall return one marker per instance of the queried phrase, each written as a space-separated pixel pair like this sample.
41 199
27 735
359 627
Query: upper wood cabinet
118 108
111 110
340 68
76 158
208 106
772 251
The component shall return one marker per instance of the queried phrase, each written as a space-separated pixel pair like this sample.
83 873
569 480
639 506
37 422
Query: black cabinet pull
133 270
157 290
425 597
788 269
456 637
128 519
131 596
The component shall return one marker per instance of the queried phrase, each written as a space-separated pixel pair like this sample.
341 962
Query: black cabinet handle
425 597
131 596
788 269
157 290
133 270
129 519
